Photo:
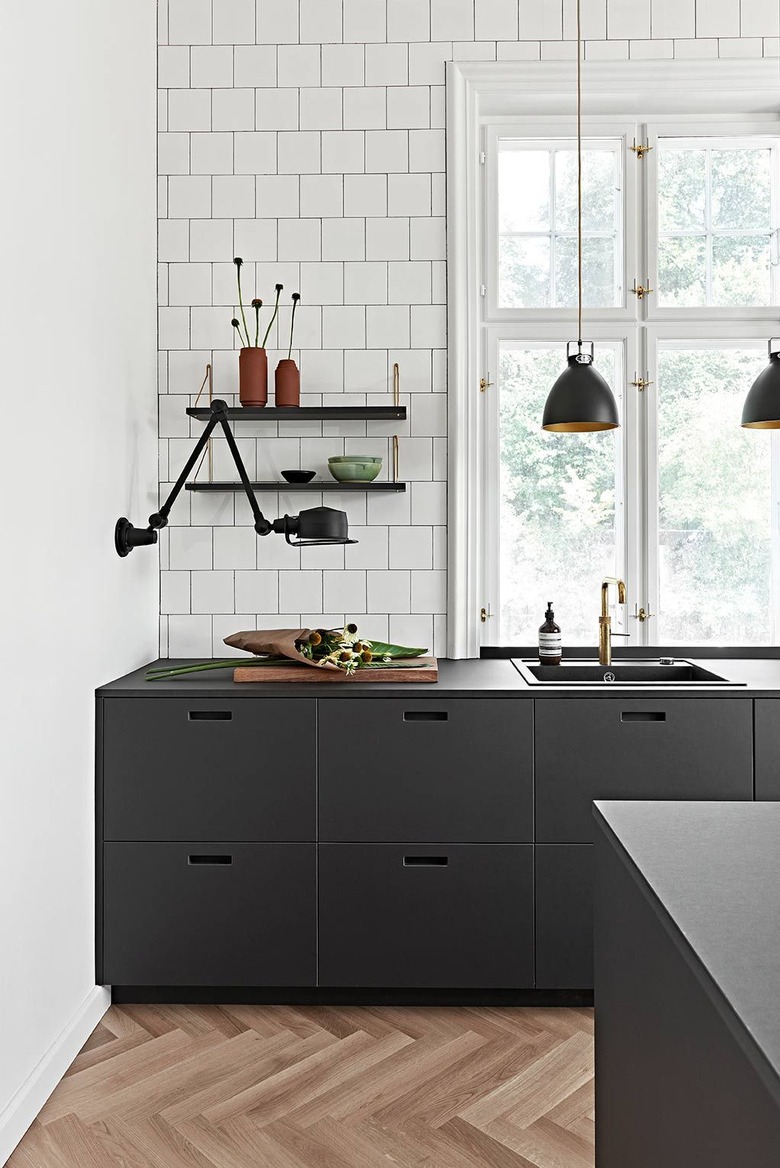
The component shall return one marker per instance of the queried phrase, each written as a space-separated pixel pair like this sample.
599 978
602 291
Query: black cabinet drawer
636 748
209 769
564 916
226 915
426 769
768 748
420 915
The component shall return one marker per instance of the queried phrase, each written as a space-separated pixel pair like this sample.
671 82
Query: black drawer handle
425 715
642 716
193 860
426 861
210 715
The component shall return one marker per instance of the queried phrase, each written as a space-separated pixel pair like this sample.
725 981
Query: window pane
557 520
537 222
598 272
600 181
682 271
524 271
742 189
714 501
524 190
741 270
682 186
716 223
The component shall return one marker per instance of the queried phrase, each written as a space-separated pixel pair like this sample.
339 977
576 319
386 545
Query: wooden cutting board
427 670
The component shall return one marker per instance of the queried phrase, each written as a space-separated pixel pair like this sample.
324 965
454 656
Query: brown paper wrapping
276 643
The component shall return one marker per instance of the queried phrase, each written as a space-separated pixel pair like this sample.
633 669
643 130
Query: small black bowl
298 476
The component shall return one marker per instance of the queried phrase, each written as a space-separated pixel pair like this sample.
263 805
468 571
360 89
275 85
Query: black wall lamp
314 527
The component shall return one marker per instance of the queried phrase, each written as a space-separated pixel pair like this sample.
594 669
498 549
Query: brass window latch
484 383
641 383
640 291
485 614
640 148
642 615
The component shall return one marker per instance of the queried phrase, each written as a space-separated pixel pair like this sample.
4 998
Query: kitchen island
687 989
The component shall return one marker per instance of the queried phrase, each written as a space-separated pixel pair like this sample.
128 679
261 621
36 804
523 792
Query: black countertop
712 871
489 677
496 678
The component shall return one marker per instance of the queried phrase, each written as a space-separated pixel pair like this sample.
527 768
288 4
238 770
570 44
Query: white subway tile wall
307 136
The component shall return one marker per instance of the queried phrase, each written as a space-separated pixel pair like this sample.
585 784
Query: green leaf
397 652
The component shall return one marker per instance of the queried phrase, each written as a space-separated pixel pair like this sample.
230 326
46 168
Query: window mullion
553 239
708 227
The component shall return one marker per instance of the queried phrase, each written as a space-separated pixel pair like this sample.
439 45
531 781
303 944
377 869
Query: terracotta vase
288 383
253 377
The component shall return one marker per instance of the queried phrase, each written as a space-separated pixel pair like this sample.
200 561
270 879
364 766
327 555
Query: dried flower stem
238 262
295 301
273 318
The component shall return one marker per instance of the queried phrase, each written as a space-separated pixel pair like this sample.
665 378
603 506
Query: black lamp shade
315 527
323 523
580 400
762 404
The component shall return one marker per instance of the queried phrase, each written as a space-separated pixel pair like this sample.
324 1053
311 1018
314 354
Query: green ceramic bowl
354 468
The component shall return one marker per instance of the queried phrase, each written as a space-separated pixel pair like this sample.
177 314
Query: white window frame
547 129
545 335
480 94
697 336
694 130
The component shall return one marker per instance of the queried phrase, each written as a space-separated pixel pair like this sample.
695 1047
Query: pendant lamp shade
580 400
762 404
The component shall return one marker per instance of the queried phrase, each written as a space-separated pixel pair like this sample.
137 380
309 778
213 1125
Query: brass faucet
605 621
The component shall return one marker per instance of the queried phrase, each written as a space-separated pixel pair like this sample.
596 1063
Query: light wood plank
161 1086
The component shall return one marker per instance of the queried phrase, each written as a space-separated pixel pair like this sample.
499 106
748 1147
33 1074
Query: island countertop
712 873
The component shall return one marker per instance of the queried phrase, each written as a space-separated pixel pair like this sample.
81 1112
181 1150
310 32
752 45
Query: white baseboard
19 1113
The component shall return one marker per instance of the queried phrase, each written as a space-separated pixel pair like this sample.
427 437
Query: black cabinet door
426 769
636 748
209 769
564 916
767 748
420 916
225 915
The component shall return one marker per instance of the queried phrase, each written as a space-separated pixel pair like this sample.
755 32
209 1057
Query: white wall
308 137
78 449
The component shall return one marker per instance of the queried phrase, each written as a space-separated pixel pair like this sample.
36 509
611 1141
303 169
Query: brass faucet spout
605 621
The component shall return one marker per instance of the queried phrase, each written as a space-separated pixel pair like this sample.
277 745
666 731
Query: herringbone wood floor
323 1087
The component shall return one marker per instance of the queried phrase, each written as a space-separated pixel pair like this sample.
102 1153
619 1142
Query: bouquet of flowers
342 649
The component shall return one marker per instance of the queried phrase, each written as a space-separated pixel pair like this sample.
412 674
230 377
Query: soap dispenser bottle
549 639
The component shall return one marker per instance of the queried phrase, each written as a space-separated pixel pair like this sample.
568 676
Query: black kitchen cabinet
409 769
188 915
564 916
417 915
201 769
636 748
422 838
767 748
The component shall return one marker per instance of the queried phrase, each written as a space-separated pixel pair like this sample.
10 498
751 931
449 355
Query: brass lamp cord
579 176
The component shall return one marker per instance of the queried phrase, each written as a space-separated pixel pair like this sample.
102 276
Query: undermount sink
620 672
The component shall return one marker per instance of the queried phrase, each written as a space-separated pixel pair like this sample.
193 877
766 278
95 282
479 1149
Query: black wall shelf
398 488
311 413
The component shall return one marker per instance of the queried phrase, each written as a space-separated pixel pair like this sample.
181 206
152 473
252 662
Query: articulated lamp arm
315 526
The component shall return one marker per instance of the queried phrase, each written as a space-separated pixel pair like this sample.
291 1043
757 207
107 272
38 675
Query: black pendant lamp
580 400
762 404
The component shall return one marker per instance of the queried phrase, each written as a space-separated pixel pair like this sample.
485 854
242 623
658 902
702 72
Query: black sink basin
625 672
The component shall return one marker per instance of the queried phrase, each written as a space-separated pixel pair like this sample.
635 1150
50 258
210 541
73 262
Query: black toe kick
280 996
